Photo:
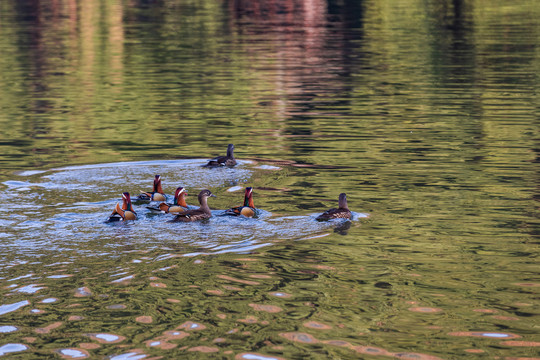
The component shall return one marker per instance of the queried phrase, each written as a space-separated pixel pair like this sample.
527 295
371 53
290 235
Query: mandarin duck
197 214
156 194
342 212
178 206
124 212
248 209
227 160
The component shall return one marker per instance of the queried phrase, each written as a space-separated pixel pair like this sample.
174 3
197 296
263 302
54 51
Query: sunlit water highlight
12 348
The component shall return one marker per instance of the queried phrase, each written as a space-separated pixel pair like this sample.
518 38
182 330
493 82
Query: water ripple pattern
82 197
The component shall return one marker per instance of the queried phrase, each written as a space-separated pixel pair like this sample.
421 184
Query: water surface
424 112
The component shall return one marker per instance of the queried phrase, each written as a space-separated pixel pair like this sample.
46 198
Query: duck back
335 214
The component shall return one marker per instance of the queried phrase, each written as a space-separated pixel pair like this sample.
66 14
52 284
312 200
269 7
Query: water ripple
84 196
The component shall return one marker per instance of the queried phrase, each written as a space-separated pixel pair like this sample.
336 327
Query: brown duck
178 206
227 160
198 214
248 209
342 212
156 194
124 212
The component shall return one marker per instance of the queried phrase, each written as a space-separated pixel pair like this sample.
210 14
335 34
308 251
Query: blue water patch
129 356
29 289
107 337
495 335
8 329
4 309
16 184
49 300
10 348
257 357
72 353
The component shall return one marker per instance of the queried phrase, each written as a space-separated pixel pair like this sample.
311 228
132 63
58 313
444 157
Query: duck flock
179 208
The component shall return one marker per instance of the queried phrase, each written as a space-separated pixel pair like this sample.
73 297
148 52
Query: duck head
180 196
343 201
126 202
230 150
248 197
157 184
204 195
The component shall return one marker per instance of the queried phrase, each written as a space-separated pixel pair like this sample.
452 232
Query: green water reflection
424 112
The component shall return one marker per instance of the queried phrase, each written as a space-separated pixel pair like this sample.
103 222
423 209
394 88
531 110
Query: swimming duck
227 160
198 214
124 212
248 209
156 195
178 206
342 212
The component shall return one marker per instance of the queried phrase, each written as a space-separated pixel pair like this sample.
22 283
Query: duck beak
212 195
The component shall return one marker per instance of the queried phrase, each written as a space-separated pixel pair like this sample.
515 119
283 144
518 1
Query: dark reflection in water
309 45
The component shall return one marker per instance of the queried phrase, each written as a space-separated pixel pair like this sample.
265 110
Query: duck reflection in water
343 228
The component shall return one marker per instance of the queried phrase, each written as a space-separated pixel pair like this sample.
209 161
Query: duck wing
241 210
217 161
337 213
117 214
144 196
192 215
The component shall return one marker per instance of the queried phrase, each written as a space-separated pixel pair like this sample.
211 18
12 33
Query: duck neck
204 204
181 200
126 206
343 202
249 202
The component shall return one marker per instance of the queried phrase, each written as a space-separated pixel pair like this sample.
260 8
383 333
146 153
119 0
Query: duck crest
248 198
126 202
180 197
157 185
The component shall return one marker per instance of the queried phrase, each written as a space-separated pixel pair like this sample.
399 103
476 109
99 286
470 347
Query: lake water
424 112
